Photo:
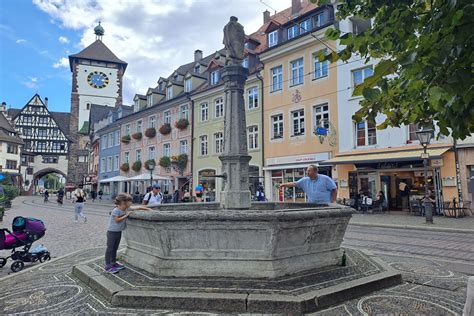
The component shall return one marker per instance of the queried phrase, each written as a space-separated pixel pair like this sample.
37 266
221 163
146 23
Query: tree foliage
425 69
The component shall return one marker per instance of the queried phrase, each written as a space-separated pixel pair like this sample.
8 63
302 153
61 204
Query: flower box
182 123
137 165
125 167
165 129
150 132
137 135
126 139
165 162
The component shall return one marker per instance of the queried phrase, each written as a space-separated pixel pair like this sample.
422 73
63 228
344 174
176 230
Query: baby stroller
26 231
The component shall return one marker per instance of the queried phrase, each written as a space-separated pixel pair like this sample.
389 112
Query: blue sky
30 47
153 36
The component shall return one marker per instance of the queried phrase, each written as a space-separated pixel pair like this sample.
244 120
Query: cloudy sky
153 36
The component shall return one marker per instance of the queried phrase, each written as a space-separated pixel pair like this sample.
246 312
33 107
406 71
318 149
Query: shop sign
298 159
436 162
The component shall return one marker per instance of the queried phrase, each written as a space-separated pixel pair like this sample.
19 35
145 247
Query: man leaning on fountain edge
318 187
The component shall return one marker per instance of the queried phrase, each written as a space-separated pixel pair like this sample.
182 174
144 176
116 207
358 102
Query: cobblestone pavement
434 265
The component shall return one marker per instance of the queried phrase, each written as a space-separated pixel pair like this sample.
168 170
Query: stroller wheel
45 257
17 266
3 262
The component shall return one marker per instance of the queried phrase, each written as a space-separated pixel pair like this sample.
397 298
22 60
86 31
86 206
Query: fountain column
235 158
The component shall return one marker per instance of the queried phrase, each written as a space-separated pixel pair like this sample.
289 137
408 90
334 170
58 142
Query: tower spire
99 32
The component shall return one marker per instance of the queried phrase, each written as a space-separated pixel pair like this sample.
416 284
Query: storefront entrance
399 186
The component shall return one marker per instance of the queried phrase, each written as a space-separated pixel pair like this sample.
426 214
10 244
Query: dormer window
245 62
136 106
293 31
188 85
273 38
319 20
197 69
160 86
215 77
305 26
149 100
169 92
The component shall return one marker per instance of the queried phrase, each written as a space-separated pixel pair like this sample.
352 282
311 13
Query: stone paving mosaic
431 288
359 265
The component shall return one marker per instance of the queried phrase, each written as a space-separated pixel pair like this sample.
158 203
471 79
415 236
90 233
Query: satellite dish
325 129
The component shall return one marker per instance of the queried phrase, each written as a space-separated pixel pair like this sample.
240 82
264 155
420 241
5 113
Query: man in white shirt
154 197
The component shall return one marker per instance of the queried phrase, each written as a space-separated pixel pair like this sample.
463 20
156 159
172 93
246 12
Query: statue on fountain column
234 41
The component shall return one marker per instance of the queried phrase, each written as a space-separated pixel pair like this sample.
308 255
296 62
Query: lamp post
424 136
151 167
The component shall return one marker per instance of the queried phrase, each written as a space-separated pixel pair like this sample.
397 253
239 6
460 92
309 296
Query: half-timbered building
45 137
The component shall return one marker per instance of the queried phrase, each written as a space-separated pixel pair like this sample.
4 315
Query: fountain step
296 294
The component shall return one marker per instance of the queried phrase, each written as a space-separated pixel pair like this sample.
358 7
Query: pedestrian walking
46 196
60 196
117 223
260 193
318 187
176 196
79 200
154 197
100 194
93 195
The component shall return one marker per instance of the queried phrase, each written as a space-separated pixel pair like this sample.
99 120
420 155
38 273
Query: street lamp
424 136
151 167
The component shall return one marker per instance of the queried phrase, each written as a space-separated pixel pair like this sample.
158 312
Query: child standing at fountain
117 223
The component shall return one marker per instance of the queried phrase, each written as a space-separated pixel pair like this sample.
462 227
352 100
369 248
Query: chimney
266 16
295 7
197 55
46 102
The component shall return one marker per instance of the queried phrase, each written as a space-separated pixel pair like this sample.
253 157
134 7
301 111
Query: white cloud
154 37
63 62
63 40
20 41
32 83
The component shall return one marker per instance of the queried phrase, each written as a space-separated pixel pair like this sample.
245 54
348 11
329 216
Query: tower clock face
97 79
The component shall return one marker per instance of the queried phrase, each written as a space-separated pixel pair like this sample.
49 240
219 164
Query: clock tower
97 77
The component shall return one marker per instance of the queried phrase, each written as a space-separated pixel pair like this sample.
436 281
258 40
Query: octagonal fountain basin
267 241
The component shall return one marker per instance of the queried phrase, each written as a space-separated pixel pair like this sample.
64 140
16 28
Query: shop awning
146 177
406 155
114 179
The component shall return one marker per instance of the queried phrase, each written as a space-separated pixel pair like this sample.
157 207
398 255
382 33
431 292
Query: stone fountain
236 256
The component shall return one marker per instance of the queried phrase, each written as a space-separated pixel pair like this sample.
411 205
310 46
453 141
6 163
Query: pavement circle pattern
50 288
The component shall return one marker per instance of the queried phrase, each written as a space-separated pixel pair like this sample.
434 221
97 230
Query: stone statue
234 40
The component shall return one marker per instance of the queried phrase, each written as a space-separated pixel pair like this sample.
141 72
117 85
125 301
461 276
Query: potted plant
125 167
165 162
150 132
137 165
137 135
126 139
182 123
165 129
150 164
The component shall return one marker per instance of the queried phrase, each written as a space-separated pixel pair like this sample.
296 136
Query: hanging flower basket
125 167
125 139
149 163
137 135
165 162
165 129
182 123
150 132
137 165
182 161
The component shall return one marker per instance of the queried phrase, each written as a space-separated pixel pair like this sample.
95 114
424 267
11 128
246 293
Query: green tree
425 73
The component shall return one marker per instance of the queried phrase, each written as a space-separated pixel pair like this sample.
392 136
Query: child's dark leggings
113 242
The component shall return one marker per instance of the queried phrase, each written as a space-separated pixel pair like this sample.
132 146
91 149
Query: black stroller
26 231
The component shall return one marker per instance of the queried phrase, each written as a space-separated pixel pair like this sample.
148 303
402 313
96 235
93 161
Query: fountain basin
269 240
